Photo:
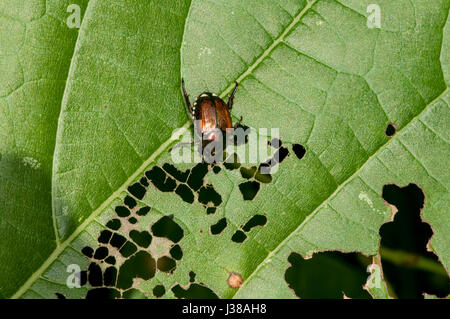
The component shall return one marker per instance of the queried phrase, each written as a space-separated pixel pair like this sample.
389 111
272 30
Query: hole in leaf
194 291
130 201
238 141
257 220
117 240
391 129
101 253
88 251
185 193
211 210
176 173
143 238
111 260
104 237
217 228
275 143
83 277
299 150
160 179
113 224
132 220
232 164
216 169
159 291
248 173
95 275
208 194
128 249
142 265
109 277
137 190
281 154
103 293
263 178
144 181
408 267
198 173
176 252
133 294
239 236
166 264
192 276
122 211
249 189
166 227
328 275
143 211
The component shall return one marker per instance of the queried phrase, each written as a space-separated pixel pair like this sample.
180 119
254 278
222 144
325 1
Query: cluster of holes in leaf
257 220
125 255
239 236
254 176
190 185
333 274
121 260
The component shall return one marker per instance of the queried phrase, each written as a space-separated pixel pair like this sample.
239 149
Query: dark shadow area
328 275
408 267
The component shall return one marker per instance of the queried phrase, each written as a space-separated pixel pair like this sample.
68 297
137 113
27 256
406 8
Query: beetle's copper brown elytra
212 112
210 109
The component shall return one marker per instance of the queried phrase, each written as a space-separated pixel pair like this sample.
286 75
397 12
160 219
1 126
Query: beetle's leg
237 123
231 98
186 99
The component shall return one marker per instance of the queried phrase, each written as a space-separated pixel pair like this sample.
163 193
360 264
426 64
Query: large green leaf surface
310 68
36 48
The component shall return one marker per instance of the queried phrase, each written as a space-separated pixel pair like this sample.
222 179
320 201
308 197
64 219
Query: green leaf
121 104
310 68
126 58
36 49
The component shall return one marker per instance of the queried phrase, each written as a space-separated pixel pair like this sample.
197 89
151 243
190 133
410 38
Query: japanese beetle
212 114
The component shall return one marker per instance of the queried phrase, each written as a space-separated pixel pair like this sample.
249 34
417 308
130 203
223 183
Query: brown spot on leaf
234 280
